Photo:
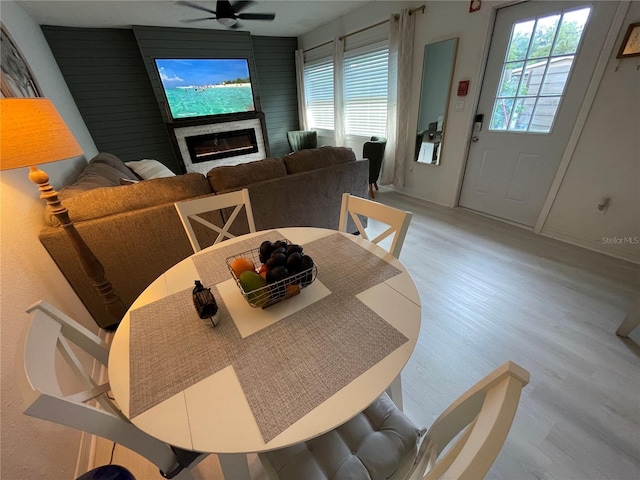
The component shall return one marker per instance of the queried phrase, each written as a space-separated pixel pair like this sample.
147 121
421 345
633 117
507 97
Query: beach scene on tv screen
200 87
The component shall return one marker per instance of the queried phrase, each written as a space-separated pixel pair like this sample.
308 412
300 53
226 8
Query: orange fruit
242 264
292 289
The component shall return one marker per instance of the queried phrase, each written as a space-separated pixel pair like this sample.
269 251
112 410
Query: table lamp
33 132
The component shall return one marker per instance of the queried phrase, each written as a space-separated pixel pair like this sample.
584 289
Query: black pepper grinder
205 303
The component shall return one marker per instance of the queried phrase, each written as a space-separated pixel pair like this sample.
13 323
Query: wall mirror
437 74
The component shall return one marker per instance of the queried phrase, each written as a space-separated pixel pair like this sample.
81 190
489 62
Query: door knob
475 138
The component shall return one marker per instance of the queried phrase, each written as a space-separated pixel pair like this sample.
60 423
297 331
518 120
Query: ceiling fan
227 13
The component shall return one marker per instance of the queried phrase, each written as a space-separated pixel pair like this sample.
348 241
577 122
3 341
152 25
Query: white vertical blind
366 91
318 83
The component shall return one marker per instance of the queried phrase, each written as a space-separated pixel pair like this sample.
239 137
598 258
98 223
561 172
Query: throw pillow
104 170
148 169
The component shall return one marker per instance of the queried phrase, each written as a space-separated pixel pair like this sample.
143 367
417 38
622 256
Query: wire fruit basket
275 292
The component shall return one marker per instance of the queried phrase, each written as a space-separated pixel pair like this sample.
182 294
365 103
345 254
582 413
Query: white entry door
541 59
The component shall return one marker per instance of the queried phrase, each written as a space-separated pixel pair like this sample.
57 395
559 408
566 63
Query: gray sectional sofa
134 229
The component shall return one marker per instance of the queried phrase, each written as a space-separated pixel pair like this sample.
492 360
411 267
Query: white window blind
318 84
365 91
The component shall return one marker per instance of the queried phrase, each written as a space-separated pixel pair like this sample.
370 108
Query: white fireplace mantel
181 133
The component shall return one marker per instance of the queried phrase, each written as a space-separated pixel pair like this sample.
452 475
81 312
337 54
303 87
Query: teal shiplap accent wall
112 77
277 74
108 81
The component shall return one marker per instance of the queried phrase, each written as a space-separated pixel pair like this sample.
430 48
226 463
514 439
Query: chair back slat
397 220
193 209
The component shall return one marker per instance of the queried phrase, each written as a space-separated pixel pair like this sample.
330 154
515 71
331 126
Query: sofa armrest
133 247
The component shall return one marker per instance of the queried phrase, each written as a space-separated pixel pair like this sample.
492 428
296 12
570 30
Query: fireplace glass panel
213 146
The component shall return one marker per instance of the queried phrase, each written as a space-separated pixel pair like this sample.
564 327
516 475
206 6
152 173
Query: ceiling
293 17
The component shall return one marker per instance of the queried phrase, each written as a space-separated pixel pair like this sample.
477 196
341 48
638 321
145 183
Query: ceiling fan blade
193 20
239 6
257 16
196 6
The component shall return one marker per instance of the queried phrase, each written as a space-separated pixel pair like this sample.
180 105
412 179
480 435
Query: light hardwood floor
493 292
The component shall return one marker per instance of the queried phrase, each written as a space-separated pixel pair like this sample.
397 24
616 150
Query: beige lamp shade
33 132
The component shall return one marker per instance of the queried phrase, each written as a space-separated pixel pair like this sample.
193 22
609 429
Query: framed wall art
631 43
16 79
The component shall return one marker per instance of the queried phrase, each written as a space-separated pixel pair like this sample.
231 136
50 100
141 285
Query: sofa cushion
312 159
101 202
104 170
229 178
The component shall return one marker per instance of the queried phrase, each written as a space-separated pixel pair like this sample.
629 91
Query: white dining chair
194 209
382 442
50 335
397 220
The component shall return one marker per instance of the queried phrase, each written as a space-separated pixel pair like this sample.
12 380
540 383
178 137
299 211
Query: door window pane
501 114
535 71
533 78
573 24
510 80
556 76
521 117
544 115
544 36
520 39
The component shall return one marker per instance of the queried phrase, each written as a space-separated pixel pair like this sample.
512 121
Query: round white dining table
219 413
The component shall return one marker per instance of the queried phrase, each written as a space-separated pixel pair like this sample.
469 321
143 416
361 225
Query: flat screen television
198 87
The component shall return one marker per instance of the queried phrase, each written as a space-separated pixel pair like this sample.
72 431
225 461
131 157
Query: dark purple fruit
294 260
276 274
306 263
280 244
276 260
293 248
266 249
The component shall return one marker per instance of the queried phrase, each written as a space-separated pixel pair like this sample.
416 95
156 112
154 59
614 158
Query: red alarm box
463 88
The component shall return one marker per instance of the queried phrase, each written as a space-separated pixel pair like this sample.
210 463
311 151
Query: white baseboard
612 251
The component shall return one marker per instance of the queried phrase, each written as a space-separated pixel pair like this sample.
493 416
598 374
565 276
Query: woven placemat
292 367
286 369
171 348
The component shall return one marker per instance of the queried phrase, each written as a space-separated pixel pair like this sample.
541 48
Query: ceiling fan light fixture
227 22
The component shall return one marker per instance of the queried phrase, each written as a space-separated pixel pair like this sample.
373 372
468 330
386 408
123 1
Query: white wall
441 21
33 448
606 161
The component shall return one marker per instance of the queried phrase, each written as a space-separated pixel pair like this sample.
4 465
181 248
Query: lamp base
89 262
